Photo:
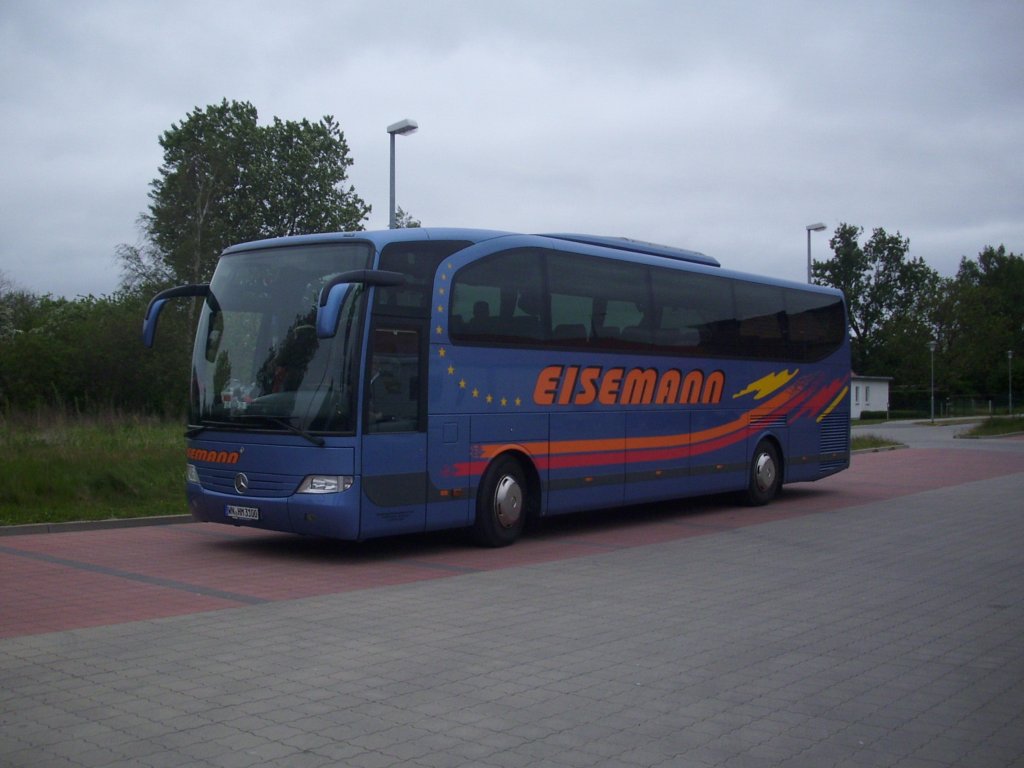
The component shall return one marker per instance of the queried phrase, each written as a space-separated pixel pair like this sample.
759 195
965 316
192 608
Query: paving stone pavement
885 634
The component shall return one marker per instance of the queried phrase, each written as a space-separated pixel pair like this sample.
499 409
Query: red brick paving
55 582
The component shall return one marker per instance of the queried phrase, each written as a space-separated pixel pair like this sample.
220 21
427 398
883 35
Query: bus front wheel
765 474
501 504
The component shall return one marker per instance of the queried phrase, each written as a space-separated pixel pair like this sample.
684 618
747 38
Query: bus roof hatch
638 246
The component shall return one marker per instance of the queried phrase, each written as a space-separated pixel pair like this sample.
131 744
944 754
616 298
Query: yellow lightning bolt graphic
768 384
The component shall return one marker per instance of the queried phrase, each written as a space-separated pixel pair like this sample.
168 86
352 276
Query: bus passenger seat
688 337
607 332
571 332
636 334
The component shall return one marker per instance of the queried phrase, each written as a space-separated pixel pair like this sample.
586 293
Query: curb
93 525
881 449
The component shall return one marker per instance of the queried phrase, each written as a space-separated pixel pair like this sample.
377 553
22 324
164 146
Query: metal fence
917 403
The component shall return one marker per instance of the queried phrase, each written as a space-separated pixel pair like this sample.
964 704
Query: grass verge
997 426
60 468
867 442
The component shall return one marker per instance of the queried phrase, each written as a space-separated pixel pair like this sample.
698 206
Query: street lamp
401 128
811 228
1009 377
931 348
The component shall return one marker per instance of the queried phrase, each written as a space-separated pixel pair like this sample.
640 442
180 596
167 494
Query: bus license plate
242 513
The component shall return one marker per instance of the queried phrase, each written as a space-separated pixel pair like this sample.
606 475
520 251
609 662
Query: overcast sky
723 127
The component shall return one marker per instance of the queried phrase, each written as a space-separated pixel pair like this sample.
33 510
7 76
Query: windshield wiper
285 421
281 421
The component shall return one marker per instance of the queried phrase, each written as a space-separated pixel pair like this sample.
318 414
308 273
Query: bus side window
699 308
599 302
497 300
760 310
393 389
418 261
816 324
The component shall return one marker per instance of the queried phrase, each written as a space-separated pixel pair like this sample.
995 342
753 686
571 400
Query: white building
868 393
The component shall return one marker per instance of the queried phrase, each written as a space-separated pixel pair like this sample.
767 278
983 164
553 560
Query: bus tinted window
418 261
816 324
761 318
696 312
500 300
621 306
593 301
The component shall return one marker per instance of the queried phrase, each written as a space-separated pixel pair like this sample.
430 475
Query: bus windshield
257 361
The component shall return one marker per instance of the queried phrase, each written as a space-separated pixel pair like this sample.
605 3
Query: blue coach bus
365 384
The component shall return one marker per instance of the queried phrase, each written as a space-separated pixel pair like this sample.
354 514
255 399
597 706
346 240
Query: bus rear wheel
765 474
501 504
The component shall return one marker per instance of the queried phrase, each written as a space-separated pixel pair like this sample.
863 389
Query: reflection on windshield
285 367
258 359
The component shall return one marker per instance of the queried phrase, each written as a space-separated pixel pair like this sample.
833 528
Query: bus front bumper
333 514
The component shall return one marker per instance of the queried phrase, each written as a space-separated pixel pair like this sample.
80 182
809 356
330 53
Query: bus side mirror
328 310
335 293
156 305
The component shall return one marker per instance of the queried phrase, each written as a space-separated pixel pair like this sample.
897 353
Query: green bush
874 415
87 356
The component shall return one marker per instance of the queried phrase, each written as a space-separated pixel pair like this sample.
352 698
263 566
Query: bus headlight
325 484
191 474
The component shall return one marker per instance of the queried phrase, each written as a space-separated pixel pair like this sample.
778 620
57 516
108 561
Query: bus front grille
262 484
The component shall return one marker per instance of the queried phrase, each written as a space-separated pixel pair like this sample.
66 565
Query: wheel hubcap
508 502
764 472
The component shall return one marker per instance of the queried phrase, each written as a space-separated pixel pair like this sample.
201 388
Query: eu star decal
490 398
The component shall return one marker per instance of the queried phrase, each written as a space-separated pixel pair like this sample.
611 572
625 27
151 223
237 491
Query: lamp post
931 348
1009 378
811 228
401 128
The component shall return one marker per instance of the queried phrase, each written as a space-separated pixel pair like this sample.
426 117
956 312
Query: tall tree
143 268
985 319
303 169
7 327
202 199
405 220
891 300
225 179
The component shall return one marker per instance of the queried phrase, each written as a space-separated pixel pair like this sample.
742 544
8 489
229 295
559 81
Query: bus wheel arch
766 472
507 500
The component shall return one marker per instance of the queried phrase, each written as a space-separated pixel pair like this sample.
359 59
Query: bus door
394 445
